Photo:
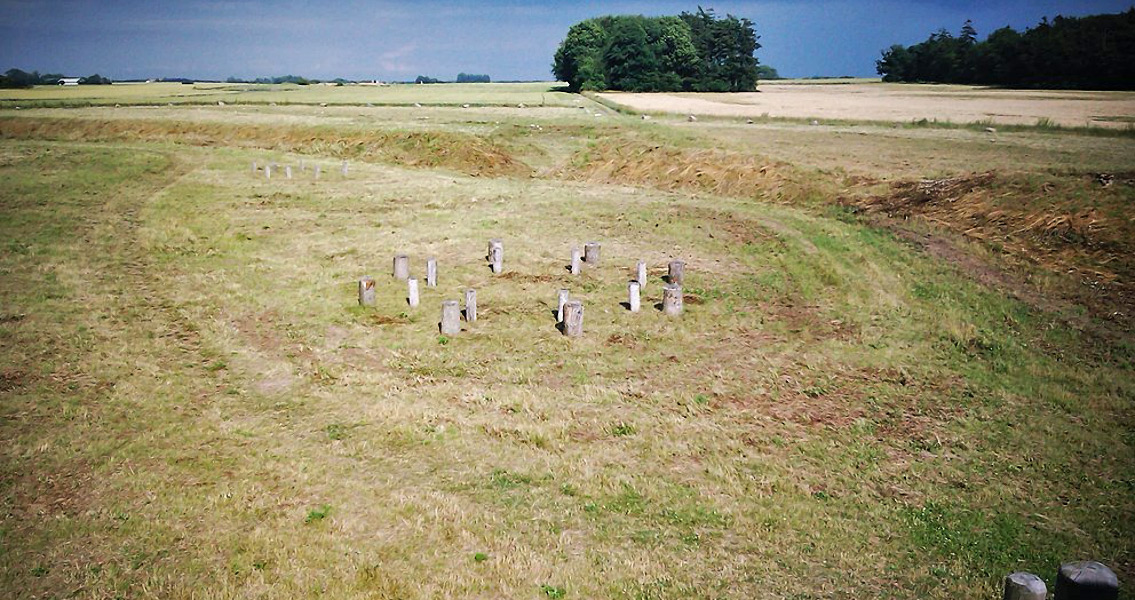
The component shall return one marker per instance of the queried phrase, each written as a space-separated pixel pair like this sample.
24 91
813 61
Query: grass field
904 369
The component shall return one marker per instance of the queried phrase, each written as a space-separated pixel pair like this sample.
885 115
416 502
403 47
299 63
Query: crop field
905 366
901 103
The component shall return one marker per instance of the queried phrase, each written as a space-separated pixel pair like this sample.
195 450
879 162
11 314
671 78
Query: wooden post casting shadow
591 253
634 300
573 268
573 319
470 306
676 273
561 299
450 318
672 300
366 291
640 274
401 266
431 272
412 292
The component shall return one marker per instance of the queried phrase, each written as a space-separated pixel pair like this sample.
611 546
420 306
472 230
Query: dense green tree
472 78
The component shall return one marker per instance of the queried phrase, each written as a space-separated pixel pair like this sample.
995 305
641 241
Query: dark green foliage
15 78
471 78
426 79
693 52
95 79
1095 52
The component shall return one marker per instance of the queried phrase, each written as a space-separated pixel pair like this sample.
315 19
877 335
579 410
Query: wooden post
450 317
470 306
496 255
677 272
267 171
633 297
412 292
591 253
402 266
1086 580
317 169
640 273
254 167
303 165
1024 586
431 272
573 318
561 300
288 172
672 299
344 168
366 291
575 260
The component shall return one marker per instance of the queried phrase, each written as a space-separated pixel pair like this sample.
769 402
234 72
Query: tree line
697 52
1093 52
15 78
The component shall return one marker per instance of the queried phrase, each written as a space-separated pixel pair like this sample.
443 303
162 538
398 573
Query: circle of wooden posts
450 317
677 272
402 266
672 299
591 253
366 291
412 292
573 318
1024 586
1086 580
470 306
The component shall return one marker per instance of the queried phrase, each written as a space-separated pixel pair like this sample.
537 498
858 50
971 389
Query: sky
506 39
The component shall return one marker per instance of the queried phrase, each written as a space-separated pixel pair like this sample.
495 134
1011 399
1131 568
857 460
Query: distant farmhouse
69 80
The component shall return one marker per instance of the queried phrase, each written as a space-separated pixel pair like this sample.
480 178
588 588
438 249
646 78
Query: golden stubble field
904 369
900 103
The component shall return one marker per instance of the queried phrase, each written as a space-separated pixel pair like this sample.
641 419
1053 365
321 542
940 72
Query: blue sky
507 39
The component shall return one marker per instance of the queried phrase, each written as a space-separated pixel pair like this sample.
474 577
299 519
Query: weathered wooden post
591 253
1086 580
450 317
672 299
303 165
366 291
496 255
412 292
317 169
254 167
677 272
1024 586
575 261
431 272
267 171
561 300
634 300
344 168
470 306
573 318
640 273
288 172
402 266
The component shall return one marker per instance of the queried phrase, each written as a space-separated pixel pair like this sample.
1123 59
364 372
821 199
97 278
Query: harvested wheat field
904 367
901 103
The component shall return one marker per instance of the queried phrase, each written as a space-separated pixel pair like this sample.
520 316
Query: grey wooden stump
576 259
431 272
254 167
412 292
591 253
366 291
450 317
672 299
640 273
1086 580
402 266
470 306
317 170
561 299
634 299
344 168
496 255
573 318
677 272
267 171
1024 586
288 172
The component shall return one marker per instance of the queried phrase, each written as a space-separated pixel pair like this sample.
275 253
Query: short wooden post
288 172
575 261
496 255
591 253
366 291
1086 580
450 317
561 300
677 272
1024 586
672 299
470 306
634 299
317 170
640 273
267 171
254 167
573 318
344 168
431 272
412 292
402 266
303 165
